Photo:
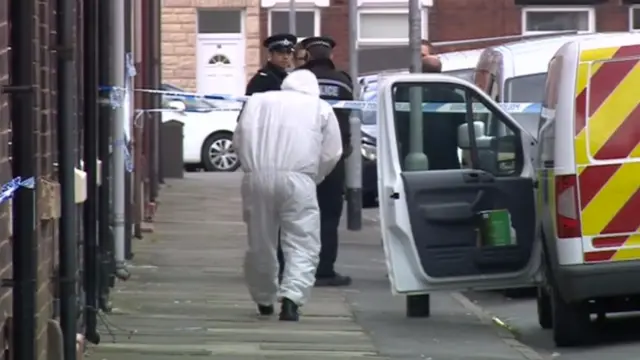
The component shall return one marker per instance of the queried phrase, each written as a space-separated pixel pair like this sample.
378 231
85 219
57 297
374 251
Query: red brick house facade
449 20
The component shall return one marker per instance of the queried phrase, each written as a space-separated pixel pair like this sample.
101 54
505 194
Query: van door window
488 82
546 129
499 153
526 89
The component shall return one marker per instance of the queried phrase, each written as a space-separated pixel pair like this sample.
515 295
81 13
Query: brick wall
45 125
456 20
179 33
45 233
46 154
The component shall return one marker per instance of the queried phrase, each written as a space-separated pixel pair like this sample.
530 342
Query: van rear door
607 147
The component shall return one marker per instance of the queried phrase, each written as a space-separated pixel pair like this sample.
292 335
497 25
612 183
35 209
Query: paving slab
186 298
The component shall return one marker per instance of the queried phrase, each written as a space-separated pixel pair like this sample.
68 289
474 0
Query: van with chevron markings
563 216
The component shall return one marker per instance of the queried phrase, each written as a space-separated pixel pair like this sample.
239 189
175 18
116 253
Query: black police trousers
330 200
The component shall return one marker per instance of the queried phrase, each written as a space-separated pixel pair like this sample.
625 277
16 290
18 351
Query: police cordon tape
477 107
9 189
128 161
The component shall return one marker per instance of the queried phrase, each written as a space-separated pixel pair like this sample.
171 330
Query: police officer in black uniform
334 85
270 77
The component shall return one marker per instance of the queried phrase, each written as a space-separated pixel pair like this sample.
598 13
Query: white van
515 72
461 64
562 212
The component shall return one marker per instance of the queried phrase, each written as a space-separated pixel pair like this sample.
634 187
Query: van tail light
567 214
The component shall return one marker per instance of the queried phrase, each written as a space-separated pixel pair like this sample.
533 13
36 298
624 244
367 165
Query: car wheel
543 302
571 320
218 153
418 306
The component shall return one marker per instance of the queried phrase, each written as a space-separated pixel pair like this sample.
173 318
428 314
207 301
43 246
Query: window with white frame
307 22
385 26
536 20
634 18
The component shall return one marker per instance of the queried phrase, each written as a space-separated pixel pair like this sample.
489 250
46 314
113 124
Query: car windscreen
369 117
526 89
191 103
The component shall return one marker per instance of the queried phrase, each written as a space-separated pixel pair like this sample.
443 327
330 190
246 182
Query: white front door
220 66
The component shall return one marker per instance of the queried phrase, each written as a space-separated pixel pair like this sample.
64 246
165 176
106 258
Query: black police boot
289 311
265 310
335 280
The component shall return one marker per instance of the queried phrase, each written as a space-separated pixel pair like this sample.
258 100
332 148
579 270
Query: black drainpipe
154 117
105 237
128 210
23 118
67 143
91 267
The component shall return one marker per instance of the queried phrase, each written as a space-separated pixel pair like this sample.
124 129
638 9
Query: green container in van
495 228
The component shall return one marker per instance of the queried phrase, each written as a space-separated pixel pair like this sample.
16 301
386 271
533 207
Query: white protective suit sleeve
238 140
331 142
237 137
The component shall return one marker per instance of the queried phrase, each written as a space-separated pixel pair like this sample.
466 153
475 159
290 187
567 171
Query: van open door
469 227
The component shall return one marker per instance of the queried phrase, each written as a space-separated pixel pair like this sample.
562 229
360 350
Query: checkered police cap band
280 43
318 43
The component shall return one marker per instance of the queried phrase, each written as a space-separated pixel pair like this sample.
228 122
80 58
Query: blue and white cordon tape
128 161
514 108
10 188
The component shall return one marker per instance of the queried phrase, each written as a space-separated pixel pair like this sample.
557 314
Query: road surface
617 339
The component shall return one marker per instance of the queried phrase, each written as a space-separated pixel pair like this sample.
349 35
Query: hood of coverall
302 81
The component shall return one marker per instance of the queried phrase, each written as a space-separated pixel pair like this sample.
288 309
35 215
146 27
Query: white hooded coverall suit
287 142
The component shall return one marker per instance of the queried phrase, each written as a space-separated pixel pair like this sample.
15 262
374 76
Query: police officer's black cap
280 42
318 41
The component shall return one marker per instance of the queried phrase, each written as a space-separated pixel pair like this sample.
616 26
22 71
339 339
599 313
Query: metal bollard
354 177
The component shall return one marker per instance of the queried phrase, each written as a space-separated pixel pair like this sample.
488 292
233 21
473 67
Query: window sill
299 3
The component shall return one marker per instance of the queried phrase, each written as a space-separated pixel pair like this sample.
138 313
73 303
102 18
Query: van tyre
418 306
543 301
571 321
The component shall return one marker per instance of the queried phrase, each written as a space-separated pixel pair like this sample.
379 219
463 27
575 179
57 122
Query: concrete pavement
186 298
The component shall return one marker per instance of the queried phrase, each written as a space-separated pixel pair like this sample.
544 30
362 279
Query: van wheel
543 300
571 321
418 306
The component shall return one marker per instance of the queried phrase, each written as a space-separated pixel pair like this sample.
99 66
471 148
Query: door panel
434 206
443 208
220 66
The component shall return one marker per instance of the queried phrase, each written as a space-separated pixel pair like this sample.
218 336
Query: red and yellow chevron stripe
609 194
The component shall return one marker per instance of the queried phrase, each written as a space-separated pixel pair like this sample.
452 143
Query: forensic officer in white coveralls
287 142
